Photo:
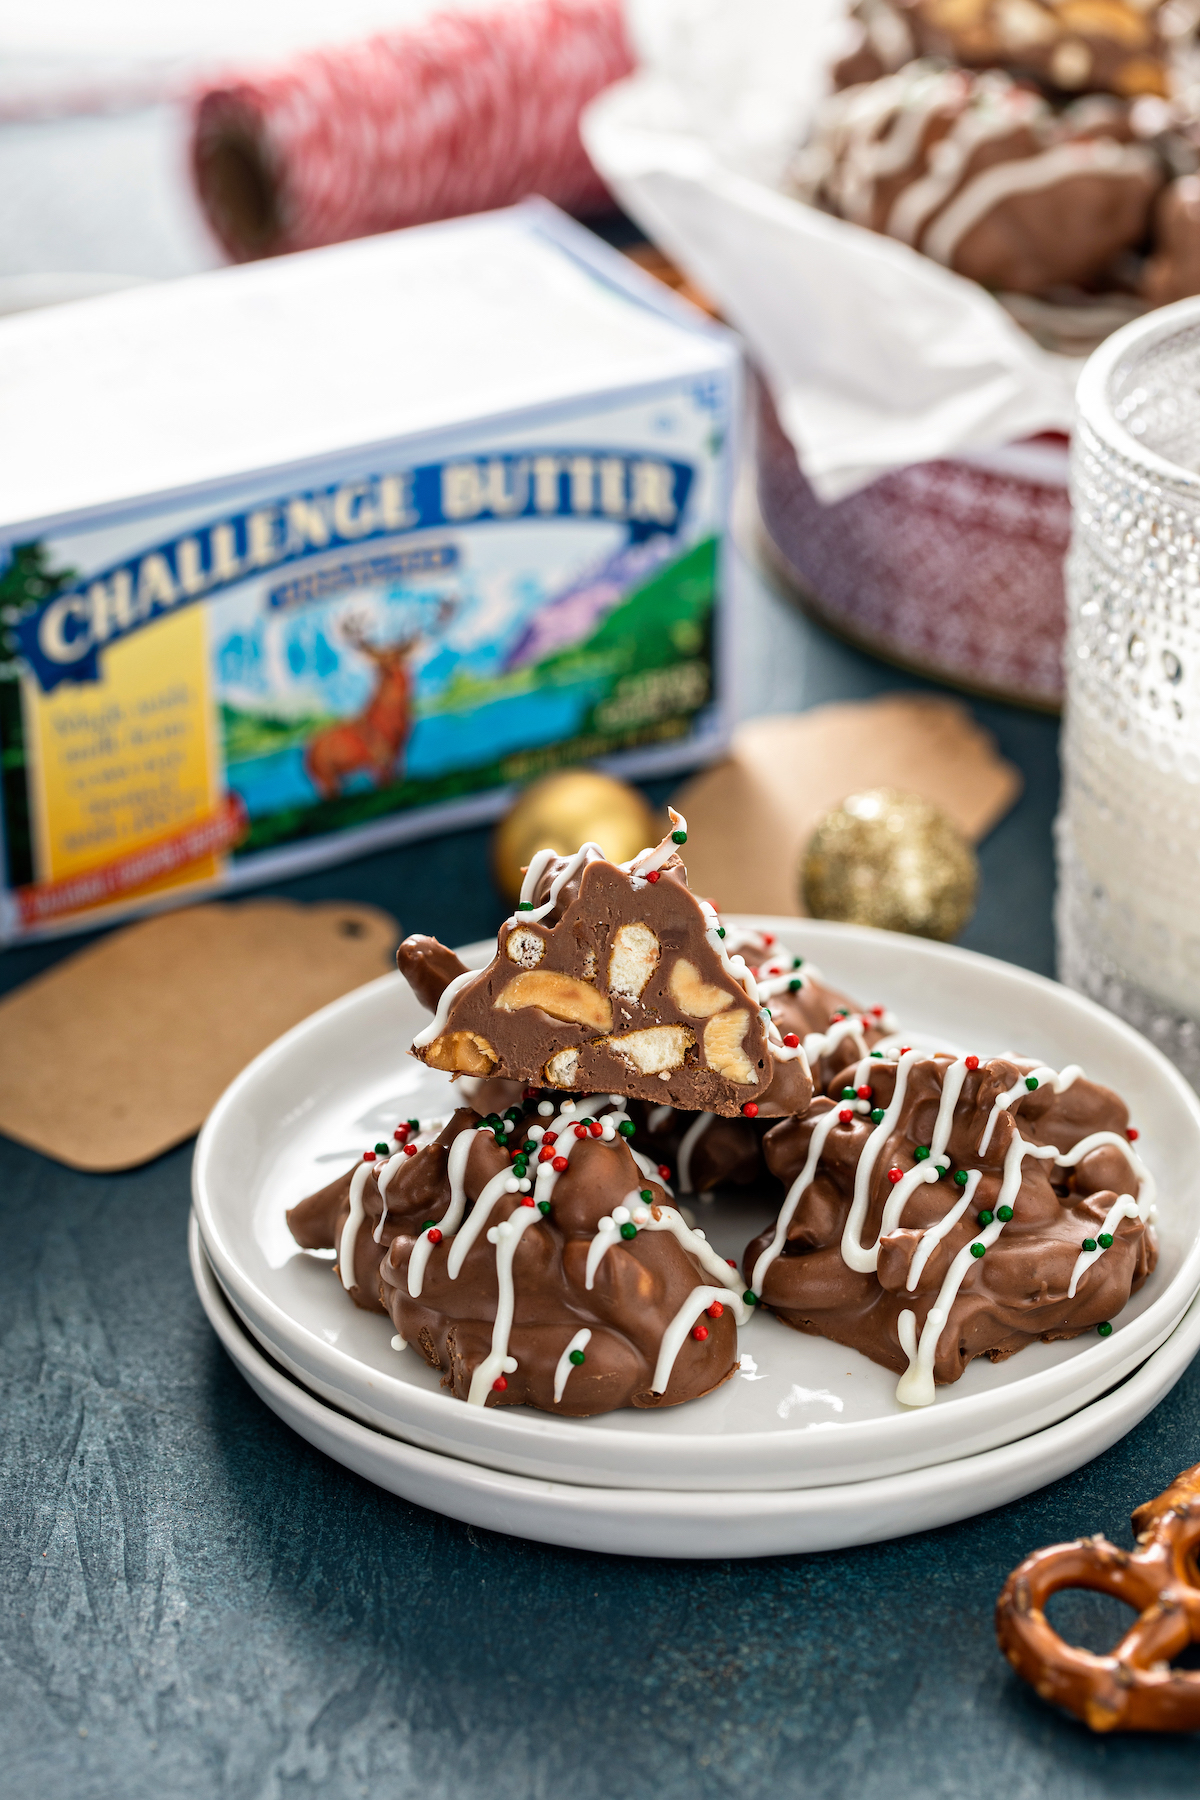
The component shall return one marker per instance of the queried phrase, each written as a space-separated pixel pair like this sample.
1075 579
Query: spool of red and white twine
457 114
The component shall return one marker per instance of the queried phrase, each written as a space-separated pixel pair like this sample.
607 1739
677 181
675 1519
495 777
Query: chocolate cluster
1040 147
532 1259
954 1208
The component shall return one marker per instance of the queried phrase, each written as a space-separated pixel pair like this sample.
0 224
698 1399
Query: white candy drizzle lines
437 1024
564 1365
349 1238
635 1211
699 1300
529 914
932 1237
506 1236
916 1386
641 865
1125 1207
820 1131
1027 1084
687 1144
854 1254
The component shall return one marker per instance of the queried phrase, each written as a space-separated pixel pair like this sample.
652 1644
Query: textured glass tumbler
1129 829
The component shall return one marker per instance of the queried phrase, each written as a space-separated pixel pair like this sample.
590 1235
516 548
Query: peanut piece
462 1053
562 996
654 1049
723 1046
695 996
525 947
632 960
562 1069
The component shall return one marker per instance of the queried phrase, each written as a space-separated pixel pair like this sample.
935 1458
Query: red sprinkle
581 1131
731 1262
368 1156
434 1236
530 1093
410 1149
791 1041
864 1093
559 1163
651 874
700 1332
500 1383
400 1133
895 1175
596 1128
904 1049
1131 1133
664 1170
877 1012
972 1062
716 1310
527 1200
846 1114
550 1137
750 1109
545 1155
768 938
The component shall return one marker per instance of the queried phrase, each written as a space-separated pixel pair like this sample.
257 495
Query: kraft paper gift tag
119 1052
750 817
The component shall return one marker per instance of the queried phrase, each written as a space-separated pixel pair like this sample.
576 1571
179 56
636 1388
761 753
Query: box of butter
306 556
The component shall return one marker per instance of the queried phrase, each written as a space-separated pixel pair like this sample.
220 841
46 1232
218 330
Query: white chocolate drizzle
437 1024
527 913
349 1238
1040 1077
564 1365
506 1236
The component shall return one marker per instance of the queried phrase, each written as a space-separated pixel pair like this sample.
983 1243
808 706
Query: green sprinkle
520 1166
529 1146
797 962
1005 1213
961 1177
848 1094
585 1122
978 1249
513 1113
794 987
414 1124
921 1153
524 905
878 1053
629 1229
428 1225
877 1115
1089 1243
627 1128
1105 1330
1031 1082
750 1297
679 837
765 1012
647 1196
500 1135
1105 1240
494 1119
383 1150
720 931
577 1357
543 1207
985 1217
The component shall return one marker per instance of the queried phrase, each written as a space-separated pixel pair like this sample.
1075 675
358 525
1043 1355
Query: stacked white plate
806 1448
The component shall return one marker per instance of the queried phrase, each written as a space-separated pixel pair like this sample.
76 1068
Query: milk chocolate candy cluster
533 1260
983 174
954 1208
1070 46
612 978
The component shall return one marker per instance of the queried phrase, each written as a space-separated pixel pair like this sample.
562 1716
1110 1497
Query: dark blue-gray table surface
196 1603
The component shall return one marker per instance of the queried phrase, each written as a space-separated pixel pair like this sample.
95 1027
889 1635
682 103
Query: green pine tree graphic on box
26 581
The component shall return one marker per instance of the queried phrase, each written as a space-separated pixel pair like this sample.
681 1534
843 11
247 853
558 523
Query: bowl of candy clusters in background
932 213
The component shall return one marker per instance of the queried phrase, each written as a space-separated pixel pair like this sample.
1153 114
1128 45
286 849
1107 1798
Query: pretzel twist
1133 1688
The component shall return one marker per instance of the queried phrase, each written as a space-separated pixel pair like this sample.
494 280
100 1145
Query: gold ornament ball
891 860
561 812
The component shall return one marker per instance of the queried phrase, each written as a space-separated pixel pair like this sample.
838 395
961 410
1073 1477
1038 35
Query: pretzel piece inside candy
1134 1687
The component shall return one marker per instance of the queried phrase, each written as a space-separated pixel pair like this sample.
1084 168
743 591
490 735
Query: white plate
803 1411
641 1522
